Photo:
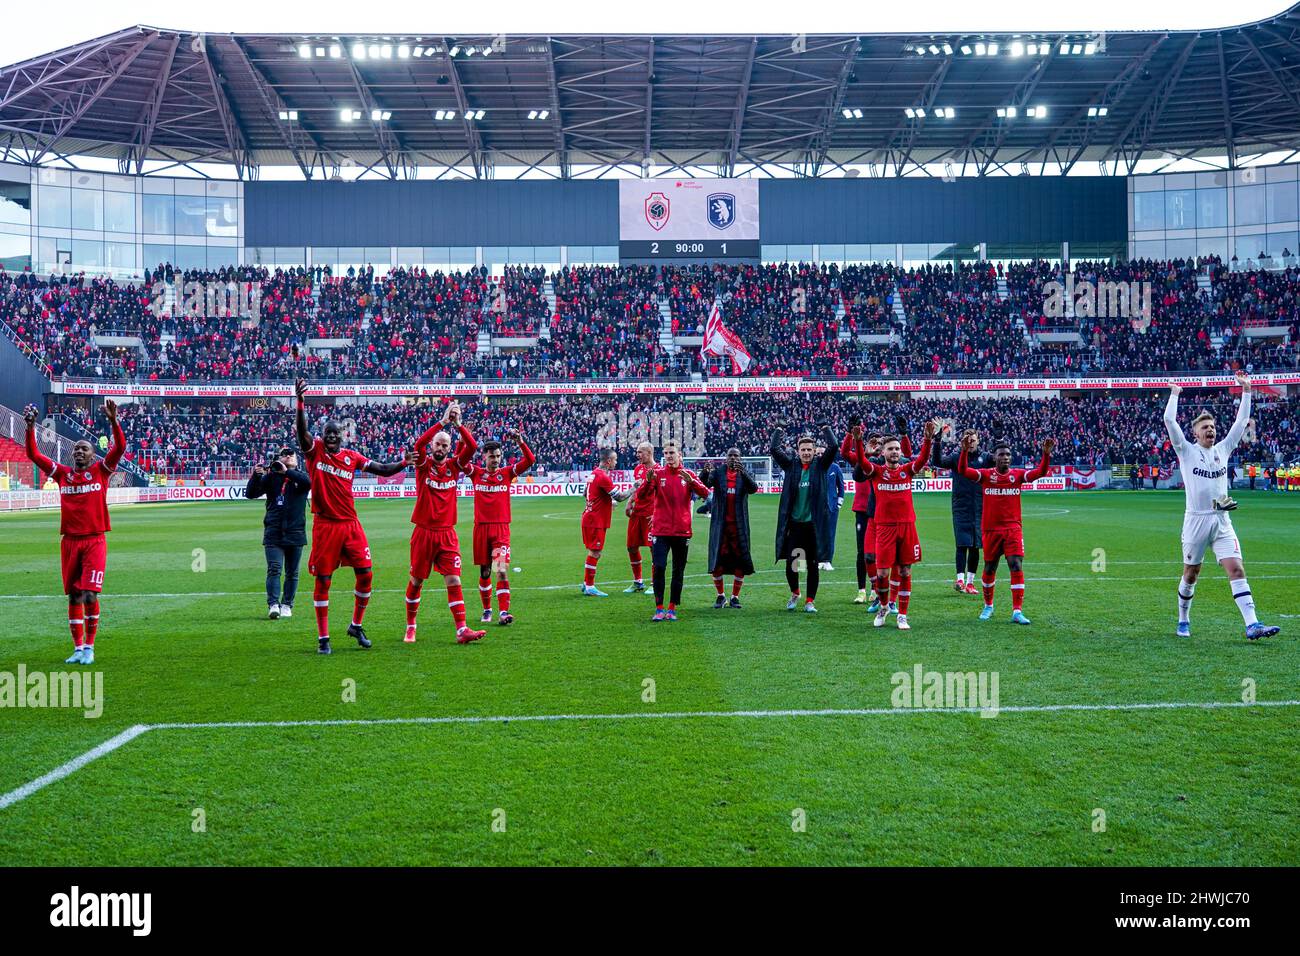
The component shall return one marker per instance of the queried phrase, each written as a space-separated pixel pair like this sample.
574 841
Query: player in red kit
83 521
337 538
434 545
492 521
639 512
1001 527
596 516
897 544
672 486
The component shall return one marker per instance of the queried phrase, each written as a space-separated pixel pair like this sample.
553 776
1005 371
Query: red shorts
638 531
336 544
897 544
84 558
999 541
491 541
434 551
593 537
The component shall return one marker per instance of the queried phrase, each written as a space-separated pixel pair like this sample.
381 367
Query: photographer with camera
284 528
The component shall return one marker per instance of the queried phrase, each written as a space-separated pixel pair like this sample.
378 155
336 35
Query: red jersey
492 488
435 482
331 481
1002 490
643 507
599 502
671 489
83 495
893 487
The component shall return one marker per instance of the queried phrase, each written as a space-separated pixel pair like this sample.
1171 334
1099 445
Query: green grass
1177 786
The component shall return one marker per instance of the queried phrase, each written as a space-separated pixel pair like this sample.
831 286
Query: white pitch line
72 766
108 746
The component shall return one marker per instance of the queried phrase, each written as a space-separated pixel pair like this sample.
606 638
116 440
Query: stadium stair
896 299
839 317
666 342
1002 289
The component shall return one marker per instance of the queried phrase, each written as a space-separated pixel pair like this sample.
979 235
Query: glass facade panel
54 207
156 254
1281 202
1180 209
120 256
1148 211
223 217
16 203
1211 208
1251 207
15 253
87 253
191 215
159 214
119 212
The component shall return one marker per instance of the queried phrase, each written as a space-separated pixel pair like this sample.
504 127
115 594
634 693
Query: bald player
640 511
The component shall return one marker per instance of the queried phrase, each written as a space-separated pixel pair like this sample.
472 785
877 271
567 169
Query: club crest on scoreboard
722 209
657 210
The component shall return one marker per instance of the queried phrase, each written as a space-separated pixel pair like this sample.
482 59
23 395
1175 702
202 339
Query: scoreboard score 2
688 218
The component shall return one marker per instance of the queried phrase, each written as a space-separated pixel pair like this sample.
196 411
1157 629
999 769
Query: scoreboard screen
688 218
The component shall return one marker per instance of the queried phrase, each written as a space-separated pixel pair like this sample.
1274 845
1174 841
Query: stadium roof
587 105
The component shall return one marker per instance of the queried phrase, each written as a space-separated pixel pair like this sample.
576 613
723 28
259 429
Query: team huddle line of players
986 514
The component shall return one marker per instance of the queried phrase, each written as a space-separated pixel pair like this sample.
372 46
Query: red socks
882 585
893 587
871 570
320 598
987 581
634 555
412 601
92 621
456 604
736 582
904 591
485 591
77 624
589 571
717 583
1017 589
503 594
361 595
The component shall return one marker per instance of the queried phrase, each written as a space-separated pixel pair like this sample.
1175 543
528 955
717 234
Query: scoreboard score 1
688 218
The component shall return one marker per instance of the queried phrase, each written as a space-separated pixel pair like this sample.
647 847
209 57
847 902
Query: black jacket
285 524
823 523
967 496
717 506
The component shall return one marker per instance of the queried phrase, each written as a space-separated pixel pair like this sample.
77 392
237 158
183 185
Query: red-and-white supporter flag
720 340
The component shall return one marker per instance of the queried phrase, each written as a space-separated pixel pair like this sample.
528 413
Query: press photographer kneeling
284 533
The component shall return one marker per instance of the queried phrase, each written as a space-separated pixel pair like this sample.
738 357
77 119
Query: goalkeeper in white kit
1204 466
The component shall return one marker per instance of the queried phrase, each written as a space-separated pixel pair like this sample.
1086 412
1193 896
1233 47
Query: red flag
720 340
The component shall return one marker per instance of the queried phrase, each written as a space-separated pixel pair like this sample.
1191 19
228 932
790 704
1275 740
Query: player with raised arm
1204 466
1003 532
83 522
596 516
864 512
967 502
492 484
898 546
434 545
639 512
337 538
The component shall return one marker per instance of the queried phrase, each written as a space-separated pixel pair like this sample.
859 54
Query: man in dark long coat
803 520
729 526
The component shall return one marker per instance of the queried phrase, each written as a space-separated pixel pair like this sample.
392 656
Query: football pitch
585 735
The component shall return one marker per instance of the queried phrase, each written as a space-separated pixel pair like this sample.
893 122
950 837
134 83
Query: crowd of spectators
971 319
224 439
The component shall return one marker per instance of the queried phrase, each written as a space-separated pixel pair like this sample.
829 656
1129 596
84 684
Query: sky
30 29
